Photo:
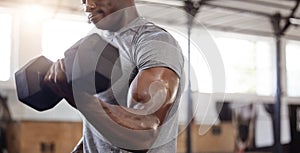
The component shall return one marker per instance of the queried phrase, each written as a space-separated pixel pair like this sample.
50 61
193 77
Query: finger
59 66
49 75
56 72
50 80
62 65
60 74
61 77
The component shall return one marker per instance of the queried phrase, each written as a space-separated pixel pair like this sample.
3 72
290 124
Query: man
141 109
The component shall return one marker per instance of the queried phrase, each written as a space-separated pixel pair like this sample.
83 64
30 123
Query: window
265 68
5 46
201 80
248 65
293 69
60 34
239 61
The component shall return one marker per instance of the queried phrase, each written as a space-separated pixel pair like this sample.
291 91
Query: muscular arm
151 95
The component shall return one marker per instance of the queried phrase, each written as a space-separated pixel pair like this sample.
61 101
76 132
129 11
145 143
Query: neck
128 15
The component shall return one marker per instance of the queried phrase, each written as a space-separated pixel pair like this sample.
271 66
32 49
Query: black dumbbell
30 87
90 64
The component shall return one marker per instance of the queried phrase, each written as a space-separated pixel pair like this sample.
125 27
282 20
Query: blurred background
257 40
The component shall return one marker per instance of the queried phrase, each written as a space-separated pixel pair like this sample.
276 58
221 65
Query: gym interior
242 73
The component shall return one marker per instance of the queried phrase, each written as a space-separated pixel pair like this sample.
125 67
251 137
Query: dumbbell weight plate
30 88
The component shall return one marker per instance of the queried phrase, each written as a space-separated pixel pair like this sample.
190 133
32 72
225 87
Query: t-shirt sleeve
157 48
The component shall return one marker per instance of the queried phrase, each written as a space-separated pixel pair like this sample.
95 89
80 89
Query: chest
118 93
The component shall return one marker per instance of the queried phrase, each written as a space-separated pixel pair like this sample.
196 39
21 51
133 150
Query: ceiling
241 16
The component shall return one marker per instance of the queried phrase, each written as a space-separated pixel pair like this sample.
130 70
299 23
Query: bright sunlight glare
5 46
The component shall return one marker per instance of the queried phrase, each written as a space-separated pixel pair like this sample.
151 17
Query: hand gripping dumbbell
94 65
90 64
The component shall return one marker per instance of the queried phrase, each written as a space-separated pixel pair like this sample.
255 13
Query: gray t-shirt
142 45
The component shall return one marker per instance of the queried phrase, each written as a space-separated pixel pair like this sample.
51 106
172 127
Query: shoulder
154 46
150 31
145 30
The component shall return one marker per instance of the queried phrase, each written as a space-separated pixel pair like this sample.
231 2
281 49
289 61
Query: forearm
130 118
135 135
